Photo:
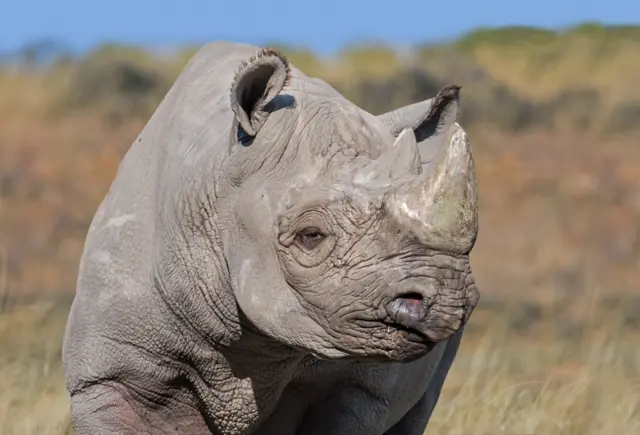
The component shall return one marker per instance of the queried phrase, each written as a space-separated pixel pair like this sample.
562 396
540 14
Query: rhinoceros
272 259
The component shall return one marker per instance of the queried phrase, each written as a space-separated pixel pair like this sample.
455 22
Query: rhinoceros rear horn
256 83
430 120
401 159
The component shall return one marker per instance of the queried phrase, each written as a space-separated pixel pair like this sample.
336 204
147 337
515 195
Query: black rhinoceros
272 259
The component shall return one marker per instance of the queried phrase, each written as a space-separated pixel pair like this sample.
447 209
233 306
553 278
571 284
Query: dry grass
502 381
508 385
32 395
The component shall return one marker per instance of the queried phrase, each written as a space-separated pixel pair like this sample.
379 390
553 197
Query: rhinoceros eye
310 238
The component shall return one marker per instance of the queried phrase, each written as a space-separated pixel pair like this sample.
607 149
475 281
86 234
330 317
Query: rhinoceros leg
102 409
415 421
352 411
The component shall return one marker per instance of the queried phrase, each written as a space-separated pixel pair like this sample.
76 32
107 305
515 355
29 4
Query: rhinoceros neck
252 372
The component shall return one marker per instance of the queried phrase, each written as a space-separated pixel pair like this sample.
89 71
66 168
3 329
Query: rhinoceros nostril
407 313
407 309
412 297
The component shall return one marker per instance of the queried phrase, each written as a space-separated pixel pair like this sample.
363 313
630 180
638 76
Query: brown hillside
554 118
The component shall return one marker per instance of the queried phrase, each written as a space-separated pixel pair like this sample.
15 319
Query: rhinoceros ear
258 81
431 121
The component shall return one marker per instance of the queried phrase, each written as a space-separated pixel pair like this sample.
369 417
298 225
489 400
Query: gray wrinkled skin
272 259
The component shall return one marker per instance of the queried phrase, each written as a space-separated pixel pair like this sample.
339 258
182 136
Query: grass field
503 381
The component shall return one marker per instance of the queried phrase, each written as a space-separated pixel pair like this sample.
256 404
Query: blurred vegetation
554 115
583 77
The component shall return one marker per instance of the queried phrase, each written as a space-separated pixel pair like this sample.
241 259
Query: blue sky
324 25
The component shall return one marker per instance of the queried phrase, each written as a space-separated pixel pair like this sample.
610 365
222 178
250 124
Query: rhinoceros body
272 259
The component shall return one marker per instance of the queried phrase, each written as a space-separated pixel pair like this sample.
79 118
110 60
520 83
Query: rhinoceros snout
421 320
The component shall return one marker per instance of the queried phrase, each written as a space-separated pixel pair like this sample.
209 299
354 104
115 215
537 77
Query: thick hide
272 259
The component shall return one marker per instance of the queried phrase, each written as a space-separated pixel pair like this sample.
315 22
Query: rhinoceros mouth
393 343
407 333
397 333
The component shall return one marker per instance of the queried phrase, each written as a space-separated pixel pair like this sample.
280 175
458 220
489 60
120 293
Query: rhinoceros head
351 233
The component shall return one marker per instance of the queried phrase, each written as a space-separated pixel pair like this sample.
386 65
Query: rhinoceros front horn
440 206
